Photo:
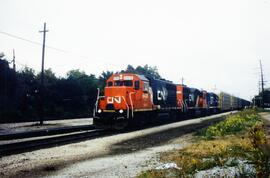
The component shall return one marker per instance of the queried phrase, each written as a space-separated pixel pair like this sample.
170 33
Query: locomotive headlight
121 111
99 111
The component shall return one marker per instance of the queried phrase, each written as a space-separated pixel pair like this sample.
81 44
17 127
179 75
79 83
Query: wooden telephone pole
13 61
262 83
182 79
42 76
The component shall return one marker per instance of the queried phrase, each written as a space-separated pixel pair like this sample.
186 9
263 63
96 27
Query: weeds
160 173
239 138
208 154
260 151
233 124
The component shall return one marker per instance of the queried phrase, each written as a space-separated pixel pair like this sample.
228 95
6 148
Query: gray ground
121 155
28 126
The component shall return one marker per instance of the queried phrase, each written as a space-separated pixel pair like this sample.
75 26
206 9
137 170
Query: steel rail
45 132
30 145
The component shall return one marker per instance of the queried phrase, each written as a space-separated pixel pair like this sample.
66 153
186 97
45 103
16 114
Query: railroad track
36 143
46 132
51 139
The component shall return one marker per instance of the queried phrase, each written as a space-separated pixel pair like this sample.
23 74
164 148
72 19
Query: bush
261 151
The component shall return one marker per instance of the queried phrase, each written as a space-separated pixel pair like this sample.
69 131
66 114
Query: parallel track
46 132
35 143
29 145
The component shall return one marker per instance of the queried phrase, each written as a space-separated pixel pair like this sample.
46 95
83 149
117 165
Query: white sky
208 42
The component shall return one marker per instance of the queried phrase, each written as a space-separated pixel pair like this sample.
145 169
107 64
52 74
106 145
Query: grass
239 137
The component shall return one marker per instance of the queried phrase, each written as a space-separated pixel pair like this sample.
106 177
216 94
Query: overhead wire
30 41
49 47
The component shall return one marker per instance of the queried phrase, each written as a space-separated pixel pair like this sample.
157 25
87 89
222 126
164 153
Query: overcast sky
208 42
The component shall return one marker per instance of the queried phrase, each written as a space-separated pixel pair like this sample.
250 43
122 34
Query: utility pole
259 86
42 76
13 61
215 87
262 83
182 80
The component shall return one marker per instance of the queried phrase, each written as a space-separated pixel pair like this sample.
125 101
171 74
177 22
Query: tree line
72 96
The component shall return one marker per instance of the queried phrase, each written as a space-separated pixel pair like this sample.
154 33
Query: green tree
143 70
103 78
51 94
81 91
28 93
7 90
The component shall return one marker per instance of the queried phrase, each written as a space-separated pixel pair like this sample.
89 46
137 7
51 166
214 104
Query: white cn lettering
160 95
111 100
117 100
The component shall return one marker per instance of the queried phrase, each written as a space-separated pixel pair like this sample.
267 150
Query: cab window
128 83
118 83
109 84
137 85
145 86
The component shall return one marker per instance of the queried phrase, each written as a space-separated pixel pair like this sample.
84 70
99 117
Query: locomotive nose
116 99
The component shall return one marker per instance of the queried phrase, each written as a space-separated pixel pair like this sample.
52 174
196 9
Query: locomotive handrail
186 106
182 106
97 98
95 110
96 104
127 106
197 102
131 103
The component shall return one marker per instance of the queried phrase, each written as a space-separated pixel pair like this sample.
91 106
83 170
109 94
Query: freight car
132 99
229 102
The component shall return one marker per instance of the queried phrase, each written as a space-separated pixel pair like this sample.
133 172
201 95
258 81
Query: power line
30 41
39 44
50 47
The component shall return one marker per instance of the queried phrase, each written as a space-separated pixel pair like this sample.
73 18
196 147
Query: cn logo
161 95
111 100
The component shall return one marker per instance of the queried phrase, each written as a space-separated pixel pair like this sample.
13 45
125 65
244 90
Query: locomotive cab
124 96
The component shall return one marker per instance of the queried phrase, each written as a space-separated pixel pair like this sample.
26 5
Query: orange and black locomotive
131 99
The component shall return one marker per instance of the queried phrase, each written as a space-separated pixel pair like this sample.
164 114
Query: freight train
132 99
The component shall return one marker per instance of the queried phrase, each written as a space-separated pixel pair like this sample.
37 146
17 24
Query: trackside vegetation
237 123
237 143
